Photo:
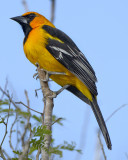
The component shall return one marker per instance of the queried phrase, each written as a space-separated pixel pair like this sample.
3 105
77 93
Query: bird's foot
56 93
36 75
49 73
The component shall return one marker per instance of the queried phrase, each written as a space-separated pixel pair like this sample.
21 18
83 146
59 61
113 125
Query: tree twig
126 155
10 136
1 153
102 147
52 10
124 105
25 5
28 120
38 154
26 146
9 97
6 126
28 107
5 88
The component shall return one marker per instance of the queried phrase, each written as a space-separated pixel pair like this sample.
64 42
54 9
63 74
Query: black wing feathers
68 54
60 35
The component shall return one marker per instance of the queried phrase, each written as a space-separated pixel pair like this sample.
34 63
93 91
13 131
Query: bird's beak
20 19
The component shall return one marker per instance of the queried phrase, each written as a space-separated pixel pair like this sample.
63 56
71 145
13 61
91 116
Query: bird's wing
67 53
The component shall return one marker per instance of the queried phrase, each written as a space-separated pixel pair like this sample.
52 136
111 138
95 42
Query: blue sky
100 30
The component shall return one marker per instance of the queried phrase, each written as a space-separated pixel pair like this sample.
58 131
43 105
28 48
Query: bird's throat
26 29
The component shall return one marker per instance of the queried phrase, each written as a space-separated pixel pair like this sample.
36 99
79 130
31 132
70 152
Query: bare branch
48 107
28 107
26 145
38 154
52 10
57 120
1 154
9 97
124 105
25 5
6 127
5 88
8 158
11 131
126 155
28 120
102 147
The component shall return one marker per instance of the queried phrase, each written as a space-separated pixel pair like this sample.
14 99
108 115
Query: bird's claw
56 93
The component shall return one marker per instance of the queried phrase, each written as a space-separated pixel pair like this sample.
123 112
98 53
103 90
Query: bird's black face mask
24 21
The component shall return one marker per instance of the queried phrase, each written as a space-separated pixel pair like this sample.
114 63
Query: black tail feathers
101 122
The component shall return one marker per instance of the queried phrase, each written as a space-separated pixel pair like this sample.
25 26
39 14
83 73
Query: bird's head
30 20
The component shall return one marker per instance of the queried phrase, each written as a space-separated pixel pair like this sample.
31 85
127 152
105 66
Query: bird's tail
101 122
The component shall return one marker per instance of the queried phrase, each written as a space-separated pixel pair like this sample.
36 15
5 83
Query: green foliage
17 152
65 146
38 138
57 120
4 102
38 131
38 119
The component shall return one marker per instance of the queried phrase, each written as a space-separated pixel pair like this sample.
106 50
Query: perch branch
47 116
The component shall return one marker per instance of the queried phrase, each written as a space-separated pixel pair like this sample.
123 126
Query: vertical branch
25 5
47 116
52 10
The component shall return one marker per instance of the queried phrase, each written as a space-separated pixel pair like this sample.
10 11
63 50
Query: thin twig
124 105
38 154
28 119
113 113
52 10
6 127
28 107
25 5
5 88
11 131
9 97
126 155
57 120
26 146
102 147
1 153
8 157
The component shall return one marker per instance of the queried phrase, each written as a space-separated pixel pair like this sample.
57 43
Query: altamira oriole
54 51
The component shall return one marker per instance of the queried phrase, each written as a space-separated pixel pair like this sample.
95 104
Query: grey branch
25 5
28 107
52 10
2 154
124 105
9 97
47 116
102 147
6 126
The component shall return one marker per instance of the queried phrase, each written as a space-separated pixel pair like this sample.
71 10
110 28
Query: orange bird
54 51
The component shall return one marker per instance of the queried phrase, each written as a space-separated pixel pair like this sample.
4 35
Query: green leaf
39 119
22 122
57 120
17 152
2 120
32 149
4 102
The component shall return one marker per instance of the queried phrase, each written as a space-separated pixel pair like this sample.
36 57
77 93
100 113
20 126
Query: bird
56 52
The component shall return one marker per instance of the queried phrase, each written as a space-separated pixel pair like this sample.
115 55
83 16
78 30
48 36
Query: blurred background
100 30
